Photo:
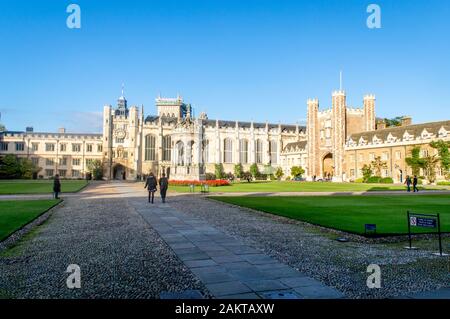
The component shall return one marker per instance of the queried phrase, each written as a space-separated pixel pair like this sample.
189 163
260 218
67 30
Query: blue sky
247 60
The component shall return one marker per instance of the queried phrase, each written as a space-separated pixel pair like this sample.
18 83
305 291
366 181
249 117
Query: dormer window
425 134
442 132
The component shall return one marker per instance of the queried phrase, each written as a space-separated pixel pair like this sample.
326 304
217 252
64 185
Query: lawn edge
82 188
14 237
382 239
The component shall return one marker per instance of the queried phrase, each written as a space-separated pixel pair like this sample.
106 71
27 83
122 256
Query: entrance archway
119 172
327 166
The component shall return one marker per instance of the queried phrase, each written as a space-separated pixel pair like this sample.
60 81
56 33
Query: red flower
217 182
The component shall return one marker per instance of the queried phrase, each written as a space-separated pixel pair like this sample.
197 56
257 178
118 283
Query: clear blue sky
235 59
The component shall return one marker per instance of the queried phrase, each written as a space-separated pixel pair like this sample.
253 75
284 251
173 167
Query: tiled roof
295 146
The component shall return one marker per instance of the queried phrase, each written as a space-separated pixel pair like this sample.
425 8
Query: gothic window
89 148
190 153
35 146
259 151
62 147
243 151
150 143
227 150
76 147
167 147
205 151
49 147
273 152
3 146
179 147
20 146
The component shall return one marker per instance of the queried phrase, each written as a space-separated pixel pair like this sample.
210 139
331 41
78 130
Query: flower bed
215 182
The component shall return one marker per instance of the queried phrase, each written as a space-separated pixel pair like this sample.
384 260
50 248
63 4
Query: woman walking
150 184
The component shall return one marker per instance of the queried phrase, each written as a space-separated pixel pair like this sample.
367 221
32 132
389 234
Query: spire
123 85
340 80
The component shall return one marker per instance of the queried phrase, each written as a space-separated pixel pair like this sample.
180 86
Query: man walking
163 186
56 186
415 184
150 184
408 183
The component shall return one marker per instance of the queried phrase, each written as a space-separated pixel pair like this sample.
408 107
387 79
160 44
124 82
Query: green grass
284 186
350 213
16 186
15 214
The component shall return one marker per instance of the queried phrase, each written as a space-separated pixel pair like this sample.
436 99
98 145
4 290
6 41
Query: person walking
408 183
150 184
163 186
415 180
56 187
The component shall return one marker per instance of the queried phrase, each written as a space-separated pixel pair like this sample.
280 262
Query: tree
279 173
254 170
378 165
430 163
218 170
238 170
396 121
415 162
444 155
13 167
96 169
297 171
367 172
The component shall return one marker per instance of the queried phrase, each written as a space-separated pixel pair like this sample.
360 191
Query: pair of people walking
413 181
151 184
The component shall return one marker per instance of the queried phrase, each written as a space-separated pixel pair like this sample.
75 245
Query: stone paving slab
228 267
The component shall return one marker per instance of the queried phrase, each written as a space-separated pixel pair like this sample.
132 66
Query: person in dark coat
56 186
150 184
408 183
415 181
163 186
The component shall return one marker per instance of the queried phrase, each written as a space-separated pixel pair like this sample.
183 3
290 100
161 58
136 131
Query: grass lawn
15 214
350 213
18 186
284 186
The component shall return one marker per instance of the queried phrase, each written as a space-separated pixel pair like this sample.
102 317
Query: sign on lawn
423 222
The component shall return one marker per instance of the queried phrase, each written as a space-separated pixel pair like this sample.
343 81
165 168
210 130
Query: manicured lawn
284 186
15 214
350 213
38 186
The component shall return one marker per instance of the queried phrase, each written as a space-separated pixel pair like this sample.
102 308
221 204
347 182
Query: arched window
227 150
150 146
167 148
190 153
205 153
179 148
243 151
259 151
273 152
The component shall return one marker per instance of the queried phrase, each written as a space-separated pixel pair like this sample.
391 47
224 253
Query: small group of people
151 184
413 181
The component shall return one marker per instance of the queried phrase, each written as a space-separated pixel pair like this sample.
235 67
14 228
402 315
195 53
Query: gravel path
119 254
316 253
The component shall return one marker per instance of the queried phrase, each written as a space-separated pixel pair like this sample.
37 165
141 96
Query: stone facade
334 145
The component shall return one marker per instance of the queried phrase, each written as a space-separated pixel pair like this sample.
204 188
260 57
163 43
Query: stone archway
327 166
119 172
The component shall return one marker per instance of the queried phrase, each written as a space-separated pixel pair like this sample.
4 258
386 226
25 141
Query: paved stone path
228 268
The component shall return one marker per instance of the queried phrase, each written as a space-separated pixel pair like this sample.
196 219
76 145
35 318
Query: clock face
120 133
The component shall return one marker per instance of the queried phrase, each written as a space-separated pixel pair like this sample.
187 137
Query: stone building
335 143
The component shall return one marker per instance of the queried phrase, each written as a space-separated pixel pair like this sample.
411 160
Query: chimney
406 120
381 124
61 130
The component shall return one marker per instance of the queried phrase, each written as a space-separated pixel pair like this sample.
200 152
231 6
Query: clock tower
120 148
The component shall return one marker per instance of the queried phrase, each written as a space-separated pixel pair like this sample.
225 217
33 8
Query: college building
335 144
